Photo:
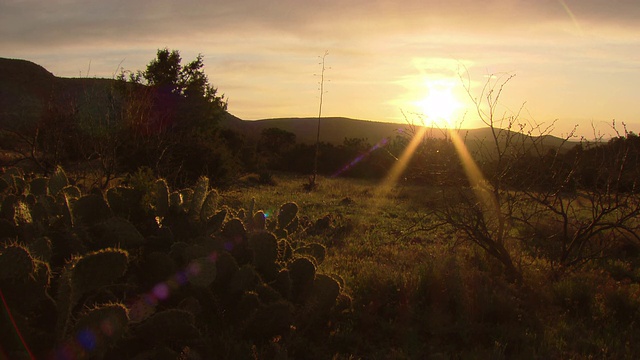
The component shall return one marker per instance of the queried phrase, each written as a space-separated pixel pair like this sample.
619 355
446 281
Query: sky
566 63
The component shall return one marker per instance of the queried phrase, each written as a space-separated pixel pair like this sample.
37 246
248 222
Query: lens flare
571 15
15 326
87 339
361 157
143 306
194 269
161 291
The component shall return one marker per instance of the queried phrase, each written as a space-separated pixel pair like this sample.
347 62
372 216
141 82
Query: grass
375 234
426 295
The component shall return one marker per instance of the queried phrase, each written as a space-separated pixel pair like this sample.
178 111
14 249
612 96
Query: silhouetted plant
144 267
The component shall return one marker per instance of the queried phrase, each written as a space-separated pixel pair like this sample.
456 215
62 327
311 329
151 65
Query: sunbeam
399 167
476 180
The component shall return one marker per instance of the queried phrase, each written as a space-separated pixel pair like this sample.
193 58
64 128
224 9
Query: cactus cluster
110 276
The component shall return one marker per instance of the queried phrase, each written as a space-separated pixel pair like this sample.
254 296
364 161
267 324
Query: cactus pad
286 214
199 196
95 270
16 263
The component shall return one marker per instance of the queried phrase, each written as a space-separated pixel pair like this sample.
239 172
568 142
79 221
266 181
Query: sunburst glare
473 173
398 168
440 105
476 180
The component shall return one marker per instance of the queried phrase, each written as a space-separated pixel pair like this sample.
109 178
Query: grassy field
430 294
415 286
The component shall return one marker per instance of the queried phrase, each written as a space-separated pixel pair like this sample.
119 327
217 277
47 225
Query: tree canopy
177 134
171 79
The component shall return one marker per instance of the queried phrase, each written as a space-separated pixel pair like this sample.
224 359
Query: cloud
263 54
75 22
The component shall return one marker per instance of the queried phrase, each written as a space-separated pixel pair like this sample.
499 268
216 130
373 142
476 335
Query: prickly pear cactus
7 209
39 186
202 272
259 220
271 320
209 206
16 263
115 232
71 192
286 214
21 213
41 248
141 308
85 274
100 328
97 269
14 180
244 308
268 294
226 269
285 250
214 223
176 202
4 185
234 229
199 196
235 240
315 251
157 267
243 280
324 293
168 326
187 196
7 229
58 181
124 201
162 201
320 302
90 209
302 272
265 254
177 260
283 283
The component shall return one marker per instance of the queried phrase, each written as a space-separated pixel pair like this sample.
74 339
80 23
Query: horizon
574 62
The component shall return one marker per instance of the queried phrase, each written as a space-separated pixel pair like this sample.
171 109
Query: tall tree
185 110
164 71
199 102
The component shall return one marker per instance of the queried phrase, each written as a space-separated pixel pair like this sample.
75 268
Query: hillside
335 129
332 129
26 89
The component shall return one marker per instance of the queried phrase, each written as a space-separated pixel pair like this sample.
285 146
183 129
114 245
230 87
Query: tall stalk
315 159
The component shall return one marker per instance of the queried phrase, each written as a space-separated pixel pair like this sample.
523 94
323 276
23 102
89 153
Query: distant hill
332 129
24 89
335 129
27 88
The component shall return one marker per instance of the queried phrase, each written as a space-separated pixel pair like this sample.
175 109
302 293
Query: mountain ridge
26 89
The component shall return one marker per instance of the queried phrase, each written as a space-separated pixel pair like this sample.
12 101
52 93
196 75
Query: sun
440 105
